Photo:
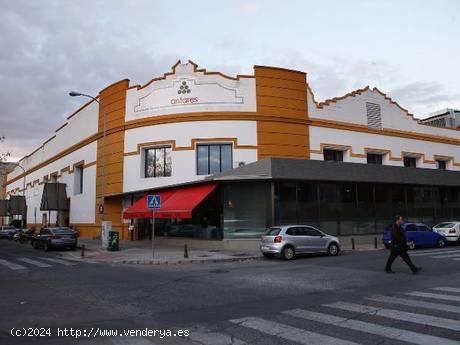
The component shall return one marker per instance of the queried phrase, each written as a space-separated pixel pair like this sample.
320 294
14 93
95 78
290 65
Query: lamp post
24 221
104 132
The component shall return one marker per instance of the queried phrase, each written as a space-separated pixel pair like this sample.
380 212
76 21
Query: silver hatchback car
287 241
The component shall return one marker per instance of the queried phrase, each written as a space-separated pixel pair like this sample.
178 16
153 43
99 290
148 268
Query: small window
78 182
442 165
411 227
333 155
53 178
312 232
423 228
410 162
213 158
294 231
158 162
273 232
374 158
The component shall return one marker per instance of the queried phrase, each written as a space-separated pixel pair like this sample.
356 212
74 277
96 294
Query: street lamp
24 221
79 94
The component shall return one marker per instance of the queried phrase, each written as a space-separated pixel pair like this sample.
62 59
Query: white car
450 230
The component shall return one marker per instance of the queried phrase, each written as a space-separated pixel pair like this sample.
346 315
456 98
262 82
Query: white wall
82 205
208 92
184 162
358 141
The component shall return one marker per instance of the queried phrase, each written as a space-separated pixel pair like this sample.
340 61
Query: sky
408 49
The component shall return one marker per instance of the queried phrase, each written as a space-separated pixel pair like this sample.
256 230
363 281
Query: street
311 300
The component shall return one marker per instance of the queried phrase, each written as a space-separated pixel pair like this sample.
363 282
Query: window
442 165
333 155
78 182
312 232
374 158
214 158
423 228
53 178
158 162
410 162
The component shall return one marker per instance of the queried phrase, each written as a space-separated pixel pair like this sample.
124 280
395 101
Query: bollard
185 251
352 243
375 242
82 250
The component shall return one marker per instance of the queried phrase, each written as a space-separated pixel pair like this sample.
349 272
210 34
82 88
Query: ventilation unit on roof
374 115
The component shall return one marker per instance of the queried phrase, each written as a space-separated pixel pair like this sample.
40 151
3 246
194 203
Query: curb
191 261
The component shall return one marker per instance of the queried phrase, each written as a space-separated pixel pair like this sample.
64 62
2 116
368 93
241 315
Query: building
444 118
233 155
5 169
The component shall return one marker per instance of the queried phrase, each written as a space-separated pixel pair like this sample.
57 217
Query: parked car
7 231
288 241
24 235
56 237
450 230
417 235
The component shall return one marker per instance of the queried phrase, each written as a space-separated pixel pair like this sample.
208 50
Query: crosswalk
23 263
427 317
437 254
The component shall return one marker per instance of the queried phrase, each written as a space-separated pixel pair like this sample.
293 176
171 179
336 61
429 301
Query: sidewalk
140 252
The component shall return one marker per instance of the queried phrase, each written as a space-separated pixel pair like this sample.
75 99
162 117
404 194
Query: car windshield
445 225
272 232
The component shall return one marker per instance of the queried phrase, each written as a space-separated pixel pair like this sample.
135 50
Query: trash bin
113 245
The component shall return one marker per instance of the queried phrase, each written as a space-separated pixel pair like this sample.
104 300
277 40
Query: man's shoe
389 271
416 270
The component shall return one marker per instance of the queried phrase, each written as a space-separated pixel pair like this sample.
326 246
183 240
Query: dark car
56 237
7 231
417 235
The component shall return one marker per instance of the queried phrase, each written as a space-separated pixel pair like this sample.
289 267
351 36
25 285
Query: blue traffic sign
154 201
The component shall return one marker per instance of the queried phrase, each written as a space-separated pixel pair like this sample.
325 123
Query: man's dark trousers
395 252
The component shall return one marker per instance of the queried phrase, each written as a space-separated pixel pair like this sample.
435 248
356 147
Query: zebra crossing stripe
11 265
289 333
414 303
435 252
34 262
433 295
58 261
426 320
214 338
367 327
446 256
446 289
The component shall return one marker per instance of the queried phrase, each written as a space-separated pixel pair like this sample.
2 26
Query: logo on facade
184 88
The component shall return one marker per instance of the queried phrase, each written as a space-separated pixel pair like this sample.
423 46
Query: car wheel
411 244
46 246
288 253
333 249
441 243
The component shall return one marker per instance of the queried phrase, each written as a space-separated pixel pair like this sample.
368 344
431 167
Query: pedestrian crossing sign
154 201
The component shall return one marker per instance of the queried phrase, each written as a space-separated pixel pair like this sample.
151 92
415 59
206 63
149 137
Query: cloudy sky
409 49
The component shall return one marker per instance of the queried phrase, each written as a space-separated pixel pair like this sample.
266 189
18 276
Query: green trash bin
113 245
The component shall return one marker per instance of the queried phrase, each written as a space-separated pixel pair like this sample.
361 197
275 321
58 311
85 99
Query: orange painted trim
195 69
280 69
193 143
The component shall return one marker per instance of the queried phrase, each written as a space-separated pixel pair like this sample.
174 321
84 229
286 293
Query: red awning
175 203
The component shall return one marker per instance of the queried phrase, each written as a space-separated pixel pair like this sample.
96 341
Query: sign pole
153 233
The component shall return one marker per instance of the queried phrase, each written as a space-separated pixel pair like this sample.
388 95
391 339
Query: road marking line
34 262
58 261
447 289
366 327
445 256
214 338
433 295
427 320
11 265
434 252
414 303
290 333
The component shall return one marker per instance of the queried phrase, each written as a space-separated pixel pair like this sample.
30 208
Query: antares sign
191 90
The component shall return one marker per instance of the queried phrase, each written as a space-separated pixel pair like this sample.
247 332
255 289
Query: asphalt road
311 300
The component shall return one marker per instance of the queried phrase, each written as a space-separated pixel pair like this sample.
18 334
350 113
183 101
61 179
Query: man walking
399 247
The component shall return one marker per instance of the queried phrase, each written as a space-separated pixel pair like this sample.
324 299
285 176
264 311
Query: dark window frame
442 164
80 170
410 162
209 145
166 173
375 158
332 155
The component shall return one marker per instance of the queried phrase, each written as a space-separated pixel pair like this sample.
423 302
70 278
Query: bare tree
3 155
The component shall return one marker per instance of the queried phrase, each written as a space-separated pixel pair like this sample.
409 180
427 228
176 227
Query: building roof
316 170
